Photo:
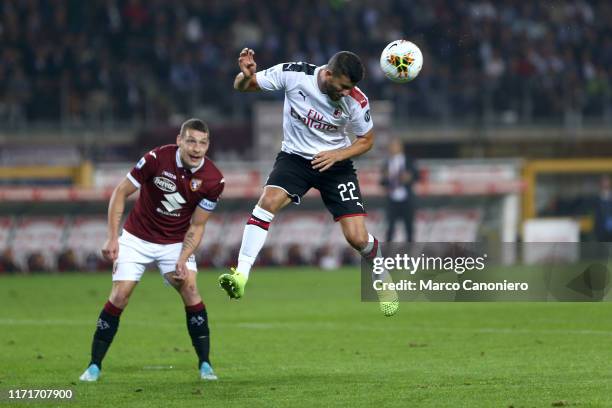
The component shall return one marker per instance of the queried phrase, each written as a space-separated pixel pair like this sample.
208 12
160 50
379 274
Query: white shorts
135 254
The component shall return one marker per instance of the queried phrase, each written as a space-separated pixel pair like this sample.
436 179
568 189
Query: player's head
341 74
395 146
193 142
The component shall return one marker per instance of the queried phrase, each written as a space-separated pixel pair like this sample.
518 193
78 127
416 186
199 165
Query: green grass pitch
301 337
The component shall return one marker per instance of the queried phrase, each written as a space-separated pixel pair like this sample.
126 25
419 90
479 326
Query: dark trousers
400 211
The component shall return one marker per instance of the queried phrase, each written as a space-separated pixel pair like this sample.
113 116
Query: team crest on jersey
337 113
195 184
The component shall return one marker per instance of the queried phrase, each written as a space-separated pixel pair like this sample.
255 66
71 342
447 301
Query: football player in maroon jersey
179 189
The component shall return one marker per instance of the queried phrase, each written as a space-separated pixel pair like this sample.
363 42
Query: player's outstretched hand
246 62
181 270
324 160
110 250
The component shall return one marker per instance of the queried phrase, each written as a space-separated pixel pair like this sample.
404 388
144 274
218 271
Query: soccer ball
401 61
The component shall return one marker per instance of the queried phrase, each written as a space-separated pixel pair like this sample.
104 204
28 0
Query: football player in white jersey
322 108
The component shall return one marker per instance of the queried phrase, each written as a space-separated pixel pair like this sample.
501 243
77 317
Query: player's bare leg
107 326
272 200
356 234
197 320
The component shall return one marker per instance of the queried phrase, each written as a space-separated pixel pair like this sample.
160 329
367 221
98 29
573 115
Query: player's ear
178 138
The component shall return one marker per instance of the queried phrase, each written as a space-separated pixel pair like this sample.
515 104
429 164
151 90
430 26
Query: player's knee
171 279
272 200
189 292
119 298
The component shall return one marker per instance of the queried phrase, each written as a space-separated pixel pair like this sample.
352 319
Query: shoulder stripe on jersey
304 67
357 95
133 180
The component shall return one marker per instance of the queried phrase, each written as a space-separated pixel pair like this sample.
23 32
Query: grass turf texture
301 337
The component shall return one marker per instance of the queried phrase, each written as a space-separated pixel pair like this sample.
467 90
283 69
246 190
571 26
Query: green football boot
233 283
388 298
389 308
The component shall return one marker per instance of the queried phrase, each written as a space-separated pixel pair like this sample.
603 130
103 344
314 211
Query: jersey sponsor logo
195 184
169 214
173 202
207 204
302 94
357 95
314 120
141 163
366 116
164 184
169 175
308 69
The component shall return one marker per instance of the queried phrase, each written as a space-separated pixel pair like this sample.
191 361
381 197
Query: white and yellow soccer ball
401 61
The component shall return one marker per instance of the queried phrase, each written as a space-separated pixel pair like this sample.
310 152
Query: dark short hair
195 124
347 63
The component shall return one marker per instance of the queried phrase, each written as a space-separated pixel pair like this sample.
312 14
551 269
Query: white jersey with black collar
312 122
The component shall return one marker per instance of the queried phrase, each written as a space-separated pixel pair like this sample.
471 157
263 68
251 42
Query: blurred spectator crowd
134 60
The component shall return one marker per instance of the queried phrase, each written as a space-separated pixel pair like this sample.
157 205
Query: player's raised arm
246 80
110 250
192 240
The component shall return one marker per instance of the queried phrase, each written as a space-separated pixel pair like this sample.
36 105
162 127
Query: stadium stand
87 87
134 60
56 242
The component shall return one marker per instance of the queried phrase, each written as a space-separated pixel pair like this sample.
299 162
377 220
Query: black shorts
338 185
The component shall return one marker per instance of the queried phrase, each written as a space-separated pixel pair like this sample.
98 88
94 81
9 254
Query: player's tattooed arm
189 243
110 250
324 160
192 239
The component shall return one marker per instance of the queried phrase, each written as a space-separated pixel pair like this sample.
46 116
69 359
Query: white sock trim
366 250
262 214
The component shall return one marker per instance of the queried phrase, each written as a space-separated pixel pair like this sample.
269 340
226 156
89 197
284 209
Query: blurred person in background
92 260
7 262
267 258
399 174
294 256
348 258
37 263
603 211
67 262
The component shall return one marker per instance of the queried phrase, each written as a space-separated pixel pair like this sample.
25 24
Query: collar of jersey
179 163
